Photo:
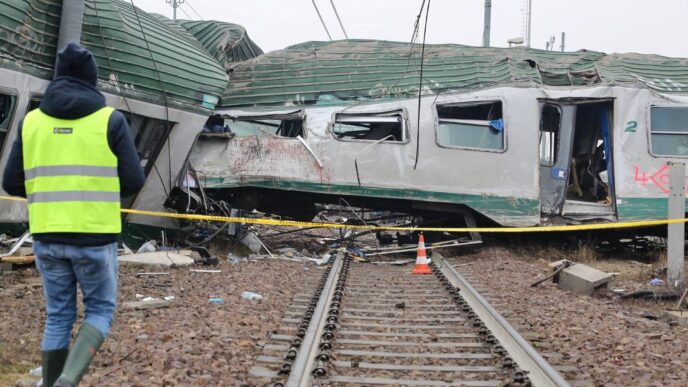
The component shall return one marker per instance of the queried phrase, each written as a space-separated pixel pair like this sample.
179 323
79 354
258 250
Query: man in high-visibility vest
73 159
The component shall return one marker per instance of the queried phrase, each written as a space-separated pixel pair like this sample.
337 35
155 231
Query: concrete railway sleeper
381 325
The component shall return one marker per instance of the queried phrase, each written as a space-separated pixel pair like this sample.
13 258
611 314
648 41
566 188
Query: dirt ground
193 342
614 342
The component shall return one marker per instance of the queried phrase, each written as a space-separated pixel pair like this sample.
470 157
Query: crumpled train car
513 136
167 79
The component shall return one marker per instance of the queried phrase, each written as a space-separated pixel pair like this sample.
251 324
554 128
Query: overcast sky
644 26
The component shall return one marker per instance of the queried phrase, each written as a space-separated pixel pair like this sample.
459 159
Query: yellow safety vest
70 174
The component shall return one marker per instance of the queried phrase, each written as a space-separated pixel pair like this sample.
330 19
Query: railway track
367 324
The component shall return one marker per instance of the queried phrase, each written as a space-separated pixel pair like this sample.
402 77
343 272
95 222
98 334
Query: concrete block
583 279
156 258
680 316
139 305
554 265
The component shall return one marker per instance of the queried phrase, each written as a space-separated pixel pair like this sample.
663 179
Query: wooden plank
18 259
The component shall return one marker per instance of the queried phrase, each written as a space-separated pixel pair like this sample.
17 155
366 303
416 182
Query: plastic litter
324 259
216 300
126 249
656 282
38 371
233 259
251 296
148 247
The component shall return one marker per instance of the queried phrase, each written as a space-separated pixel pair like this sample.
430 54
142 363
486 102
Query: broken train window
474 125
7 103
550 122
669 131
149 136
289 125
389 126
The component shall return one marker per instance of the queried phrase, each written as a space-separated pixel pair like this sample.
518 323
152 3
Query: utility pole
530 6
676 231
175 4
486 25
563 41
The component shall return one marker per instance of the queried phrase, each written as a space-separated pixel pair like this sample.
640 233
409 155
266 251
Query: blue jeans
94 268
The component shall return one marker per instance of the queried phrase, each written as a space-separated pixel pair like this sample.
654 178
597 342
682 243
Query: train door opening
576 168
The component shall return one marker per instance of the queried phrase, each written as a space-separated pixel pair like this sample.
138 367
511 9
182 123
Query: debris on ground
251 296
15 251
148 247
577 277
157 258
145 304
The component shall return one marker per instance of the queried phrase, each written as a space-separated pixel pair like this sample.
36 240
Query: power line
187 15
162 86
321 19
420 84
340 20
121 93
194 10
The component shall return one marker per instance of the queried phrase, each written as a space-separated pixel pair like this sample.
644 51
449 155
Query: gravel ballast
611 342
190 342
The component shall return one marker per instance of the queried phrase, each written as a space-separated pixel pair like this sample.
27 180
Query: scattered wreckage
510 137
513 137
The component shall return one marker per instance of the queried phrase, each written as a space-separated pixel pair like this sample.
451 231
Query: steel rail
300 375
540 372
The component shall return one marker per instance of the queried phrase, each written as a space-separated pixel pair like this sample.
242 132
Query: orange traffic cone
421 259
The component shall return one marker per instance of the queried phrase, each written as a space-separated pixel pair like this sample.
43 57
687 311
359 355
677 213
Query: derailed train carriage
165 76
514 137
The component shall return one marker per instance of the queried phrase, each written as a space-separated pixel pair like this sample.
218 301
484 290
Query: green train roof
353 70
140 61
228 43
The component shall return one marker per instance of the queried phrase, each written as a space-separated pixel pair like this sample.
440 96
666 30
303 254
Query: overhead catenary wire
185 13
420 85
321 19
164 95
194 10
339 19
121 93
412 43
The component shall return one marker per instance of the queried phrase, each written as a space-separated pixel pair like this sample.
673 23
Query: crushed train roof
192 71
347 70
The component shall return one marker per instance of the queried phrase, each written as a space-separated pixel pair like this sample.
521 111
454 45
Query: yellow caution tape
294 223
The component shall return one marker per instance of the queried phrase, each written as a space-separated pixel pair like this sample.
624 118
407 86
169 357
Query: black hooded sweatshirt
71 98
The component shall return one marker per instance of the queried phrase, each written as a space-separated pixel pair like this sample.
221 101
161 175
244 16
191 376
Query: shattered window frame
554 137
6 124
34 102
471 122
387 116
683 133
143 128
257 118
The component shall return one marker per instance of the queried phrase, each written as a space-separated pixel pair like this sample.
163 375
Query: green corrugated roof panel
141 51
228 43
190 76
348 70
28 35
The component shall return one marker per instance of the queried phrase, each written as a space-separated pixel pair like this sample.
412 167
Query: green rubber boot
87 343
53 362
